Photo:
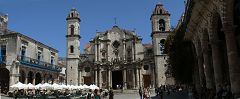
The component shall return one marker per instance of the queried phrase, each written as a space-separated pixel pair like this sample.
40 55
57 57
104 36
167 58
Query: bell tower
73 46
160 20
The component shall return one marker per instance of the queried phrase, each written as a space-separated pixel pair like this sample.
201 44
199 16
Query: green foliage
181 57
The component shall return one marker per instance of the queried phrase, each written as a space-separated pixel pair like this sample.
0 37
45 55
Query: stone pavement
131 95
177 95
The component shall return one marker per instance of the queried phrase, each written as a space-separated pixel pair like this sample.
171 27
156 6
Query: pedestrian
111 94
140 92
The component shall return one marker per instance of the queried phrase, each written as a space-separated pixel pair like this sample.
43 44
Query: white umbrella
56 86
30 86
38 86
19 85
93 87
85 86
46 86
63 86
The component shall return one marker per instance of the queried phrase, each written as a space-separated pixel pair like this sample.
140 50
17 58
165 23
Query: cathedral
117 58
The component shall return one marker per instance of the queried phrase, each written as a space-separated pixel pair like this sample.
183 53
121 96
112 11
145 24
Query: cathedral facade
117 58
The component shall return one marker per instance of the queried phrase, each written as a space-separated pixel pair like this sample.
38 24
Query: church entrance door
147 80
117 79
87 80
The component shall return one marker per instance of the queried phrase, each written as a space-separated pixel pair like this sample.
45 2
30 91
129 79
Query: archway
4 80
38 78
30 77
223 50
117 79
237 22
22 77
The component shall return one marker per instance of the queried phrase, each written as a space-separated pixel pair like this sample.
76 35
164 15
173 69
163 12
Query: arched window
72 14
161 11
161 25
72 29
71 49
146 67
162 48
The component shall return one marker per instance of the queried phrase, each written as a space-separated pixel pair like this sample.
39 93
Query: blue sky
44 20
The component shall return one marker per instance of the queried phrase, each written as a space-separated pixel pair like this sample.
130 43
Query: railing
2 59
39 64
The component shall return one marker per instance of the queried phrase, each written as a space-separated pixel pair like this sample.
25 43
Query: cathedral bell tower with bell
73 47
160 20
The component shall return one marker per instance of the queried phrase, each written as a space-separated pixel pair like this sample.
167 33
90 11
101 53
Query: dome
73 14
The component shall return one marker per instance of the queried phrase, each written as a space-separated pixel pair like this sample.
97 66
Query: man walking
140 92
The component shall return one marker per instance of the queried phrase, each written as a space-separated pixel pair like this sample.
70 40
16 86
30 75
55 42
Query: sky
45 20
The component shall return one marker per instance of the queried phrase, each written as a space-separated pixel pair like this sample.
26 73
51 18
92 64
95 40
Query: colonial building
117 58
23 59
213 28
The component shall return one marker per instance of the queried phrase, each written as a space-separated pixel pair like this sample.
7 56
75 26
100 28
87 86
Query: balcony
39 64
2 59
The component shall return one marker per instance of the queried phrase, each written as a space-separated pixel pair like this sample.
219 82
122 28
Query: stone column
100 78
124 79
109 79
80 77
14 73
96 77
196 78
34 78
208 66
200 62
217 64
153 77
134 78
140 78
137 79
233 58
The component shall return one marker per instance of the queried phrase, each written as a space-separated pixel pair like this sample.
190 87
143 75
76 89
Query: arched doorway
4 80
117 79
30 77
22 77
38 78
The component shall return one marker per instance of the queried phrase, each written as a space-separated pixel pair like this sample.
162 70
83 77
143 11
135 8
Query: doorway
147 80
117 79
4 80
87 80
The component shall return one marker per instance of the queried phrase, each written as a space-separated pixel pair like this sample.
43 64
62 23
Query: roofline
31 39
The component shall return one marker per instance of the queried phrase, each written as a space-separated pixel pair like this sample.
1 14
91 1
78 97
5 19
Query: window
52 60
87 69
23 53
72 30
161 25
161 11
162 48
72 14
3 53
71 49
146 67
116 44
39 56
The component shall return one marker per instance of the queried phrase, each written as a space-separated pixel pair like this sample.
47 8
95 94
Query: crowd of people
66 94
223 93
